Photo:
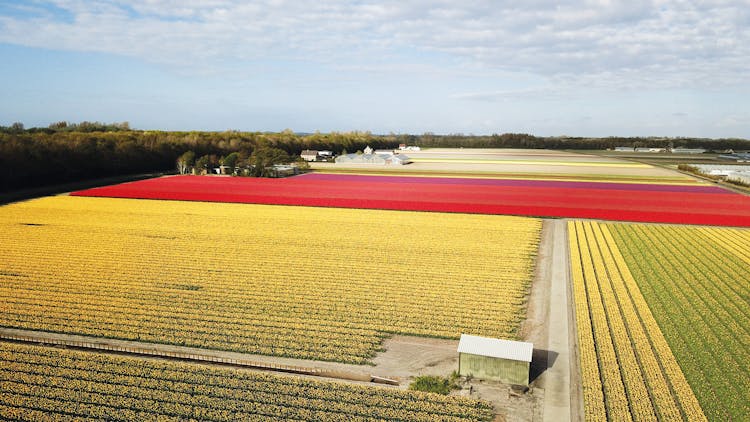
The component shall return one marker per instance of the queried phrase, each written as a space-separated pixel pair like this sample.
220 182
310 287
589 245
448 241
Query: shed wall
489 368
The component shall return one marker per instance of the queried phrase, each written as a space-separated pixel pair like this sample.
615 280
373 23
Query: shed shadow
541 360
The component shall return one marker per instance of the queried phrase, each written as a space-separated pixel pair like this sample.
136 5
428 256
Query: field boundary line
173 352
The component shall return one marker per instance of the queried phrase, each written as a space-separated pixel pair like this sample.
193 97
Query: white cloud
539 93
611 44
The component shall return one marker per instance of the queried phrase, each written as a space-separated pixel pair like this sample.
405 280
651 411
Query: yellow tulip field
663 320
40 383
627 368
314 283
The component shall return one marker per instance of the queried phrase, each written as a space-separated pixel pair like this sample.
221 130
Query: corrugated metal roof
496 348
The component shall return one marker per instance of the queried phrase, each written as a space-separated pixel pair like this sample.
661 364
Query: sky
548 68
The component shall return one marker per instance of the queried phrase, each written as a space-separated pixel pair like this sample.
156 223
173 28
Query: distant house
650 150
494 359
625 149
309 155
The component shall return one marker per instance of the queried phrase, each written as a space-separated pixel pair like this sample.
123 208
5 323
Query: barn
494 359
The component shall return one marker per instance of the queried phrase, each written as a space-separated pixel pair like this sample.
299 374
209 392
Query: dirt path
550 328
404 358
559 398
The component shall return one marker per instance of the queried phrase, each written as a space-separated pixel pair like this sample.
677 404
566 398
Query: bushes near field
435 384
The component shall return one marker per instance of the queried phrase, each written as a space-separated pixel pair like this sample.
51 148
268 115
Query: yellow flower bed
314 283
40 383
627 367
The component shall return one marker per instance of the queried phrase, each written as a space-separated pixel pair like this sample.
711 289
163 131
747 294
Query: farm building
381 159
309 155
360 159
494 359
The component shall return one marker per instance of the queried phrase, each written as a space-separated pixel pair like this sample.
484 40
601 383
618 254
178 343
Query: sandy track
557 378
404 358
550 328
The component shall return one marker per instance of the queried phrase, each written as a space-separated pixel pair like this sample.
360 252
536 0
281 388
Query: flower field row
545 162
313 283
675 179
627 367
697 285
557 184
40 383
707 205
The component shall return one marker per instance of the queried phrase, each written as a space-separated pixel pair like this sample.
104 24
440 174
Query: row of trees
258 164
64 126
522 140
30 157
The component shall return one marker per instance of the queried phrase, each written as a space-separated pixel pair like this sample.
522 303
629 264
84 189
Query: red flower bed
607 201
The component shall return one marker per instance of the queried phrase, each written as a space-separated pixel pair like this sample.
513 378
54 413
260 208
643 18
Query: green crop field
697 284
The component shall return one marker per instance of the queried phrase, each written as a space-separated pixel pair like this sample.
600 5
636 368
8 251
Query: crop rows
628 370
300 282
696 281
609 201
40 383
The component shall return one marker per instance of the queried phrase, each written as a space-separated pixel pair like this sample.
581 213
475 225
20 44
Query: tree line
260 163
34 157
522 140
66 152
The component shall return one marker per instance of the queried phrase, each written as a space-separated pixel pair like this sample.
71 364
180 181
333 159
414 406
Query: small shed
494 359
